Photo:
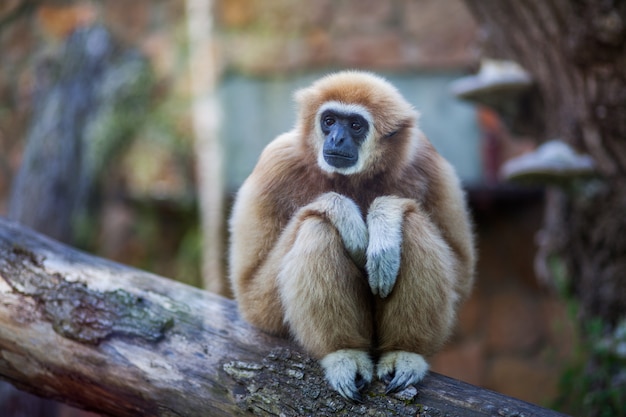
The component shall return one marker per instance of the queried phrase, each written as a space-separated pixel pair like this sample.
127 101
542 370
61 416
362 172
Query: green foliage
124 97
167 220
189 257
167 239
594 384
138 141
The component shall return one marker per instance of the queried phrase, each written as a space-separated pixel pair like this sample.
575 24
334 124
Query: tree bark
123 342
576 53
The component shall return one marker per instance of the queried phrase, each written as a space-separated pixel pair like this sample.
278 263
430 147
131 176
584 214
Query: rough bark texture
576 52
123 342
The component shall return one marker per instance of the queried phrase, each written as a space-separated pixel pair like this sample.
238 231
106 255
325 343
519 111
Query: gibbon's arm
247 234
254 227
450 215
448 222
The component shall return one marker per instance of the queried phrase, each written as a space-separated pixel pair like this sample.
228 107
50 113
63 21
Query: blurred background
127 127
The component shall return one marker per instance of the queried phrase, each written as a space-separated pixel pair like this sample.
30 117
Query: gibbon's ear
300 96
403 126
392 134
306 100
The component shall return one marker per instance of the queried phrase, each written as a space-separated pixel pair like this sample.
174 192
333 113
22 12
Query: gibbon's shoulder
282 166
279 155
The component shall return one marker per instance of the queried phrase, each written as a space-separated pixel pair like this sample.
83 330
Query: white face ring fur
367 147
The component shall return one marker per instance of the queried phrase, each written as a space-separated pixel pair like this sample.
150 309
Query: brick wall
260 37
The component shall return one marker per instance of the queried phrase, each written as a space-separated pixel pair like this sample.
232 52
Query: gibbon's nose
338 135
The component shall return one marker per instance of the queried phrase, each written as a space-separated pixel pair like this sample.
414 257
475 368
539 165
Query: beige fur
374 259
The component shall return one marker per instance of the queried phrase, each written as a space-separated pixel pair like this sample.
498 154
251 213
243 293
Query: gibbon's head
357 123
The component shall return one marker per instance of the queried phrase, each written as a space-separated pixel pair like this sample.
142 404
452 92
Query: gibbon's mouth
339 159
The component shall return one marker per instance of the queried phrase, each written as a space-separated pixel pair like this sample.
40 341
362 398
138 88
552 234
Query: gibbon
353 237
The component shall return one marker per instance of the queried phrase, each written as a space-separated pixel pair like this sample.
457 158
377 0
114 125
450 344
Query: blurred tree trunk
90 97
576 52
206 120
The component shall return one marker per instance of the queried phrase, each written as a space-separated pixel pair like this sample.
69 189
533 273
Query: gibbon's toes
348 371
386 379
400 381
360 382
401 369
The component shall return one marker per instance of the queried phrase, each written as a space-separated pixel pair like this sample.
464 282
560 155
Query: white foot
401 369
348 371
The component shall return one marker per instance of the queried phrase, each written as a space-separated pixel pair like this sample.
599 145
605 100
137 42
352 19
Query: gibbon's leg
412 269
328 306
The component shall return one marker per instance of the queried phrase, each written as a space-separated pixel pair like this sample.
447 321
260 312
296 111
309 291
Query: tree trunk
206 113
576 52
122 342
90 98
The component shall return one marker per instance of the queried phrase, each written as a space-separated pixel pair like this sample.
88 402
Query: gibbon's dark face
343 135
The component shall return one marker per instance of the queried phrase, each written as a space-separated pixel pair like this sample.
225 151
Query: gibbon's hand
345 215
383 264
384 222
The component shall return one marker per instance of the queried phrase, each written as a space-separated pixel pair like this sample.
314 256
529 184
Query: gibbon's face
346 131
356 123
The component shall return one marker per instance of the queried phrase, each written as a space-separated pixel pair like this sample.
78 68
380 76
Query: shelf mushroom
508 89
552 163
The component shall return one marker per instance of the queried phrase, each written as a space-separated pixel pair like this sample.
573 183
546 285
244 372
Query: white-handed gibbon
352 236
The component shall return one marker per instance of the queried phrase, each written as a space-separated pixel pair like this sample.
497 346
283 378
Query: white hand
384 222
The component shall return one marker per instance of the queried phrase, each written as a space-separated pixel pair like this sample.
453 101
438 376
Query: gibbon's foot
400 369
348 371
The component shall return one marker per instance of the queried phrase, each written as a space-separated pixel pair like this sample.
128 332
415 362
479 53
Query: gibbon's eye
356 126
329 121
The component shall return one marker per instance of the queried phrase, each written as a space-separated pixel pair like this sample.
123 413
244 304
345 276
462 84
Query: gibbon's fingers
348 371
406 368
382 269
384 222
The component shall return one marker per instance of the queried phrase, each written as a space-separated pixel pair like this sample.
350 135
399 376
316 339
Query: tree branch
123 342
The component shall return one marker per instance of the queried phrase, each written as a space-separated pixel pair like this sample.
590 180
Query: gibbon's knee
325 301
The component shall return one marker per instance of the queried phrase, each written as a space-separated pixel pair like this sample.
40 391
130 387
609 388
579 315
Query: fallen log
123 342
